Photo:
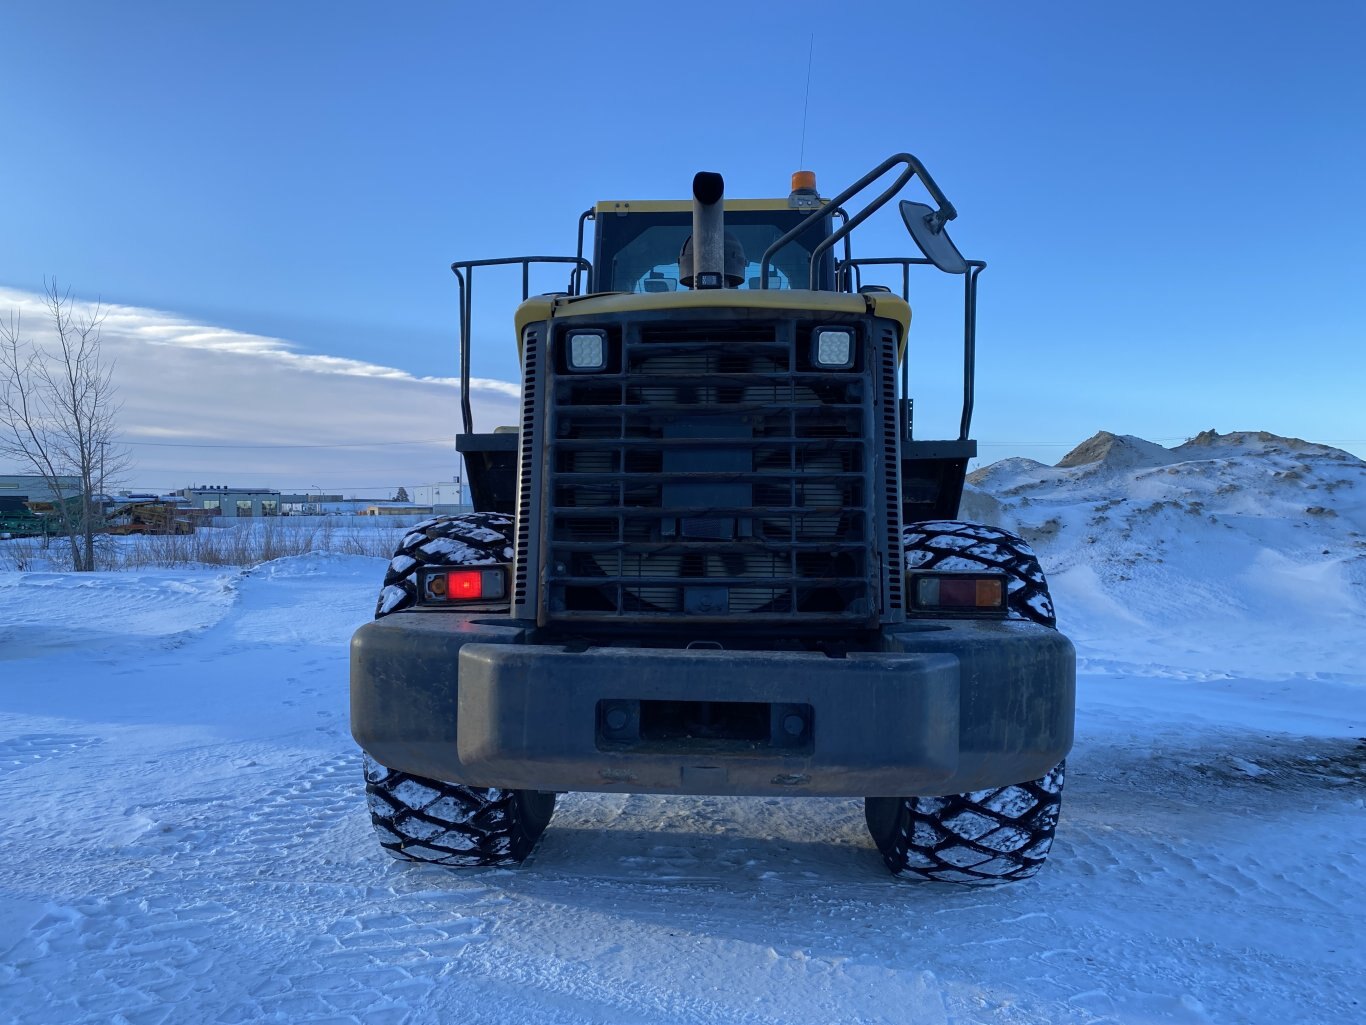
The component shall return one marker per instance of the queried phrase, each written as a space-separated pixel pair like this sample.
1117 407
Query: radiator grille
711 472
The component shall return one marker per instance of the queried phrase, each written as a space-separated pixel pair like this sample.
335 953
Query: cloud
206 404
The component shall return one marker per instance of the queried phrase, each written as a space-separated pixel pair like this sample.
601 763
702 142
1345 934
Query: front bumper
946 707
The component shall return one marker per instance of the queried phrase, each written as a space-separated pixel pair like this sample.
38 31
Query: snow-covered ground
184 839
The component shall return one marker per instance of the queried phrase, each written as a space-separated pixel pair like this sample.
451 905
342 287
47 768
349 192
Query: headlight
833 348
587 350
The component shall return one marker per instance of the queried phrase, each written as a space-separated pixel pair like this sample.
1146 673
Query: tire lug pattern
419 819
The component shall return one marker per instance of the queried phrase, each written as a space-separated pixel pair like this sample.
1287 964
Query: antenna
806 103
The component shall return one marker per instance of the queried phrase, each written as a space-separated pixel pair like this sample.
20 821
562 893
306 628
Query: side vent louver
526 469
891 462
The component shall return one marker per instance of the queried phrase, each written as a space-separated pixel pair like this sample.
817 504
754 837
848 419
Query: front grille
711 472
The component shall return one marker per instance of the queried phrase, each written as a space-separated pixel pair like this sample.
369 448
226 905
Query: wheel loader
712 557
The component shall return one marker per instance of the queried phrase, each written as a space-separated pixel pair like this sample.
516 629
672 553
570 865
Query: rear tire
952 545
419 819
997 835
470 539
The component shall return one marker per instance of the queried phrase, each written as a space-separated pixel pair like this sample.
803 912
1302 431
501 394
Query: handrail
975 267
466 284
575 285
944 214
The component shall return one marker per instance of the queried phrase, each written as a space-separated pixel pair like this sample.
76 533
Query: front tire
419 819
997 835
984 836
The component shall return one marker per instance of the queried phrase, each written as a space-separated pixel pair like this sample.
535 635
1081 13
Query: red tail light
482 583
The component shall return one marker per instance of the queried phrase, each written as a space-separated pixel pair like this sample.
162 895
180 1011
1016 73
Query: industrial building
33 488
222 500
444 497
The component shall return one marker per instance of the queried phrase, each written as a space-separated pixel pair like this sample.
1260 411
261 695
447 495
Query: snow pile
1175 546
114 613
185 840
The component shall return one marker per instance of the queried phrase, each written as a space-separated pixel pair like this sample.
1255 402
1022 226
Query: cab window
638 252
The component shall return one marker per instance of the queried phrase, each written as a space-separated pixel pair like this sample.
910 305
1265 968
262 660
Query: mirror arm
943 215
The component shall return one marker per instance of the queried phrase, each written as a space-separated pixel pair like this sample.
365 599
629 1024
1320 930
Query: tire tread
418 819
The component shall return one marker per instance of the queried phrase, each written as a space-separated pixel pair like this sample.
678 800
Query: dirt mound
1257 442
1117 452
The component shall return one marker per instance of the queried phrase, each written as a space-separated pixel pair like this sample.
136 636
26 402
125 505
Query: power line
352 444
1059 444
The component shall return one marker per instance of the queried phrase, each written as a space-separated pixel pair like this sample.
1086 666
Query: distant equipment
148 517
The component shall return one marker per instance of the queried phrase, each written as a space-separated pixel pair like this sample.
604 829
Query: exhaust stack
708 231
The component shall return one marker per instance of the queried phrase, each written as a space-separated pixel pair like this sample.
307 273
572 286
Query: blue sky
1169 195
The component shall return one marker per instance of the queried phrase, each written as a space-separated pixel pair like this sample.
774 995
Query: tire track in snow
21 752
230 927
269 902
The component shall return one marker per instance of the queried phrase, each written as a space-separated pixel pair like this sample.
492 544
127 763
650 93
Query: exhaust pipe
708 231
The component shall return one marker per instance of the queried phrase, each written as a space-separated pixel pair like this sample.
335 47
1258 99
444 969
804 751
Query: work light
587 350
833 348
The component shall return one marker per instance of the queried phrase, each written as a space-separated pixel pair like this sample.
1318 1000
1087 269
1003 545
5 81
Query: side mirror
929 234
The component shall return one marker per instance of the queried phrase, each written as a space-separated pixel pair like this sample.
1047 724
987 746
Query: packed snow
185 838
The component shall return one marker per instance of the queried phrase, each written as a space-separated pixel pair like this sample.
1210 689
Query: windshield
638 252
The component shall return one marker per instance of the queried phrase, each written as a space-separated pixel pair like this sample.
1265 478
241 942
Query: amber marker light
990 593
982 594
803 181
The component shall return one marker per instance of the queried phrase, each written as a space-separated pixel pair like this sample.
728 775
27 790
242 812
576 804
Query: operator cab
637 245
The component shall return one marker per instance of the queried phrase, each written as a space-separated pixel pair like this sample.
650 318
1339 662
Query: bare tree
58 411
